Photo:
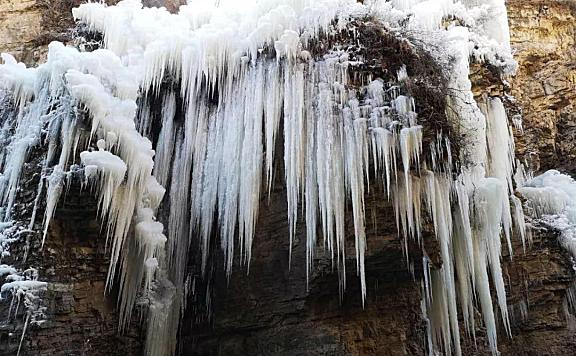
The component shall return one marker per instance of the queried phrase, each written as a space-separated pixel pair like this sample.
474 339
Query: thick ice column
166 140
463 110
500 142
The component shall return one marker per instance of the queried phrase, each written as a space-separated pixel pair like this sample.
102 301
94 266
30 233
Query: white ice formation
25 291
551 197
231 82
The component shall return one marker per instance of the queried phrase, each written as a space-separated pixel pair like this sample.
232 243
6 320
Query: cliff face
20 22
543 36
271 310
77 317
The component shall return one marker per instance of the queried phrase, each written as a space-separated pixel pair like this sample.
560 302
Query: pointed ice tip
44 237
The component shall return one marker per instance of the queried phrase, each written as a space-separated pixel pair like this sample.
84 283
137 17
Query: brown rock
543 35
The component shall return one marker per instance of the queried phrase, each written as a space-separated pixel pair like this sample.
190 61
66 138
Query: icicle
464 256
166 140
500 141
489 211
311 184
443 227
55 188
519 220
294 138
272 115
160 339
56 178
355 178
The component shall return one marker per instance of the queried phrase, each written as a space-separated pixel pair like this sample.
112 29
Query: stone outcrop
543 35
20 23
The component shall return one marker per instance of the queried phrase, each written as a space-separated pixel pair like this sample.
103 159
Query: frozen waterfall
191 113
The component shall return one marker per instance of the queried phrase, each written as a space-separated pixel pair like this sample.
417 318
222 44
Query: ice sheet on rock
25 290
6 270
23 286
552 199
18 79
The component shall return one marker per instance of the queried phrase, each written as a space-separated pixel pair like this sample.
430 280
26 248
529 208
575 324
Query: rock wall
543 35
271 310
20 23
78 319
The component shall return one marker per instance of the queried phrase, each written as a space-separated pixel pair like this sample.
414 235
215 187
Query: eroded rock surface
543 35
